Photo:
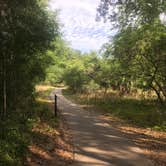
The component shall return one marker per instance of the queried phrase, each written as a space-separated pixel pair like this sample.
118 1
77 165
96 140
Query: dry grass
152 142
50 140
42 88
126 115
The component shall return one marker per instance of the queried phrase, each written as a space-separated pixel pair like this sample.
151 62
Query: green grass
14 139
143 113
16 131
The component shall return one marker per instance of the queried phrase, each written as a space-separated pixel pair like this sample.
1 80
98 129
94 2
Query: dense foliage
135 59
27 29
123 13
139 46
32 51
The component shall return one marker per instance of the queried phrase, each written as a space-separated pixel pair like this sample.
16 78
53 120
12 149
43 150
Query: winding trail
96 142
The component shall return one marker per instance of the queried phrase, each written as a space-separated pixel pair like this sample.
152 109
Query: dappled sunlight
143 113
48 148
40 152
73 104
41 88
112 136
97 140
50 144
84 78
135 149
102 124
44 100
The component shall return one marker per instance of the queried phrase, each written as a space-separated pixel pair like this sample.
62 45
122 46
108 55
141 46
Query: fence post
55 105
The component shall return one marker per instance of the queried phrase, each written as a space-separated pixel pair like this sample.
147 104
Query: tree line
27 30
139 46
134 59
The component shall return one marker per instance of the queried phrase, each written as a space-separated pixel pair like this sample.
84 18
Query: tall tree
139 45
26 31
124 13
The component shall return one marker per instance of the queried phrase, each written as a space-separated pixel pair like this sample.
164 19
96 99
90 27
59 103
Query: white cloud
80 27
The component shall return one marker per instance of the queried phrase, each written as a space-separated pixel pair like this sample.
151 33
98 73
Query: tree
75 78
139 45
60 54
124 13
141 57
27 30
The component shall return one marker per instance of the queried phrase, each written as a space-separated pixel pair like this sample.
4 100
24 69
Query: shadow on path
96 142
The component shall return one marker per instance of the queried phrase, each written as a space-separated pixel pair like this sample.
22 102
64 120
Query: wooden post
55 105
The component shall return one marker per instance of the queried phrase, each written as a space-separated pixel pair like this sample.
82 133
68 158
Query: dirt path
96 142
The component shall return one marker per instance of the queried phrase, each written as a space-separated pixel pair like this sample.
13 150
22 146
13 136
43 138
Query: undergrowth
16 130
143 113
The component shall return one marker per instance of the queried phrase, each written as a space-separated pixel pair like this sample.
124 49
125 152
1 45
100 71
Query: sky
80 28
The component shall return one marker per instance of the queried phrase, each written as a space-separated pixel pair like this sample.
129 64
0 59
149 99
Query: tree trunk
4 112
4 98
161 89
158 94
105 93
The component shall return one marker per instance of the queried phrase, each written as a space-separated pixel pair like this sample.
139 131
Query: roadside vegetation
17 131
28 29
28 138
137 120
140 112
50 142
126 78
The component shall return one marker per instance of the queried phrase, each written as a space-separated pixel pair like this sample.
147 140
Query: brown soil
50 147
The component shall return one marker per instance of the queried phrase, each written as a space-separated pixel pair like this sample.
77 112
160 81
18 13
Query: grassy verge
16 132
43 91
14 140
50 140
143 113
